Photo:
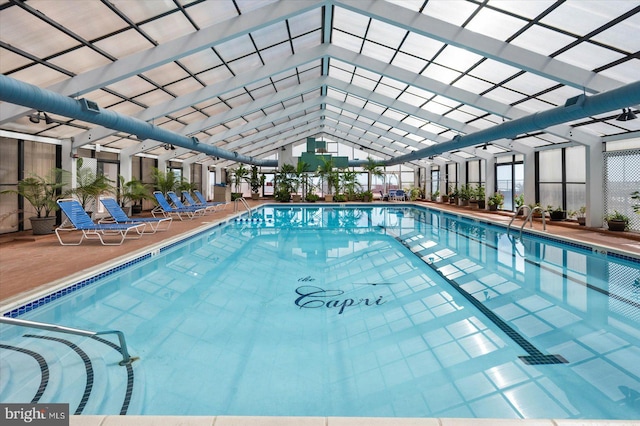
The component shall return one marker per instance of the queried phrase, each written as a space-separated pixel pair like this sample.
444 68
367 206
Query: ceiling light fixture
35 118
47 119
626 115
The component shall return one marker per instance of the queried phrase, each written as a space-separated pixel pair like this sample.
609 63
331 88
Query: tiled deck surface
29 265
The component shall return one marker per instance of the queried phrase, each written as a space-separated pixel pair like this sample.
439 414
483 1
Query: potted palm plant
89 187
42 193
617 221
255 183
134 192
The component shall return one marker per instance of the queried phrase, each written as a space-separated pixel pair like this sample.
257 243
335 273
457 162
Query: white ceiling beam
483 45
172 50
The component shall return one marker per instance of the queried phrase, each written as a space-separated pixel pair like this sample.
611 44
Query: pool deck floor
31 264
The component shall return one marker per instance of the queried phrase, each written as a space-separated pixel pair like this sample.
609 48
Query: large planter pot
136 209
464 203
493 207
482 204
328 198
557 216
297 198
255 196
445 198
582 221
616 225
473 204
42 225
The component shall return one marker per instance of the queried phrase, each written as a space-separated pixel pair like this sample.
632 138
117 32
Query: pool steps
96 369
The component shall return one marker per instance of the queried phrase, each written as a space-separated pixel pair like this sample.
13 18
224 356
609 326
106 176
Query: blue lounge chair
152 224
192 202
167 210
203 200
80 221
198 210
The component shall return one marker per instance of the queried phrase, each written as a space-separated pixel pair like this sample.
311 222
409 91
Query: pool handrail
244 202
126 358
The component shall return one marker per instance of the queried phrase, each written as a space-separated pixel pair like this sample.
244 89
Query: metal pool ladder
528 219
244 203
126 358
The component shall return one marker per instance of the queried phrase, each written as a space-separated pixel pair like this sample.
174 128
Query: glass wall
510 179
561 177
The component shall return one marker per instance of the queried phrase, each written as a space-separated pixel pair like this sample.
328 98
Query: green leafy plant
617 217
41 192
312 197
635 195
497 199
89 186
133 191
519 200
373 168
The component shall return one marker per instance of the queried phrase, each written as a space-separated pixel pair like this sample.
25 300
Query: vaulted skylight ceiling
391 77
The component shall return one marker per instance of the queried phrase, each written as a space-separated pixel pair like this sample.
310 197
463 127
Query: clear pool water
372 311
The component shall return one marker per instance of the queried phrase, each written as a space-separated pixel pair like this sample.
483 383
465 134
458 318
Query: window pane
576 196
550 195
576 164
550 165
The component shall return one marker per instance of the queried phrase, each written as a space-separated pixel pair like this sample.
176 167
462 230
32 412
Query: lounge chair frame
109 234
152 224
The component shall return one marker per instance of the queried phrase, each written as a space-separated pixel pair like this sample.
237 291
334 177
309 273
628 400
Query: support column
490 178
529 178
595 185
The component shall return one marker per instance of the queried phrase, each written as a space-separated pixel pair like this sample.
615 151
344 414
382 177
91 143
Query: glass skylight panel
589 56
364 82
124 44
90 20
366 120
154 98
601 128
351 22
618 35
495 24
165 74
433 128
249 5
442 74
127 108
307 41
140 11
626 72
453 11
413 121
39 40
534 105
527 9
246 64
542 40
436 108
271 35
374 107
578 17
235 48
215 109
305 22
340 74
336 94
184 87
456 58
355 100
503 95
410 63
529 83
378 52
394 115
493 71
257 115
421 46
215 75
168 27
472 84
261 92
411 99
80 60
275 54
235 123
385 34
206 13
11 61
346 41
560 95
459 116
383 89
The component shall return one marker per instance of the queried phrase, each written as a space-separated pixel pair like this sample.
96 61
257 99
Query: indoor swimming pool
336 310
